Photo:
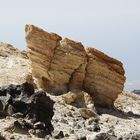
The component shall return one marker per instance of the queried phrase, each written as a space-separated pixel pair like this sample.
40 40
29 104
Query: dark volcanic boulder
34 108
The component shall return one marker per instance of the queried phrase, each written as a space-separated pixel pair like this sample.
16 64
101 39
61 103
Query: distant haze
112 26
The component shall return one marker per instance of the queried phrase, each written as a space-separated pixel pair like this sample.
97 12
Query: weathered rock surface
14 65
7 50
62 65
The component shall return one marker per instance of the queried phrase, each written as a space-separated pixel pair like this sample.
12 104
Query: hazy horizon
110 26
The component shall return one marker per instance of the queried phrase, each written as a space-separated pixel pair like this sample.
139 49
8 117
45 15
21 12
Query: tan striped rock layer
62 65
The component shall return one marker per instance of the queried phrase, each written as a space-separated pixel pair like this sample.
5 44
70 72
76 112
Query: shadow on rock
118 113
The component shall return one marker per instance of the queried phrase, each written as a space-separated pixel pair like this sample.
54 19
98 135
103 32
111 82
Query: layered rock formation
104 77
61 65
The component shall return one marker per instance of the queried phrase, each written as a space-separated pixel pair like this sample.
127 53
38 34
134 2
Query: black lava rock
2 138
21 101
96 128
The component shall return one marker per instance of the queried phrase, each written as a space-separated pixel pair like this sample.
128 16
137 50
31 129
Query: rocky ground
111 124
119 123
123 123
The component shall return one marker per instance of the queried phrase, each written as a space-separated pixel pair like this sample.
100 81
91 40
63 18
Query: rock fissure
50 62
86 72
71 83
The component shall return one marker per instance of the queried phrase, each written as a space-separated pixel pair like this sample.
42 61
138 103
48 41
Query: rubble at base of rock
83 101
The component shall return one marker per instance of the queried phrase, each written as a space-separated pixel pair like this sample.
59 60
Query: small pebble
59 135
71 131
40 133
64 121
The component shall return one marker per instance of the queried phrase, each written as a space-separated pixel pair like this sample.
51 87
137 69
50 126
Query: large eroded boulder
61 65
57 64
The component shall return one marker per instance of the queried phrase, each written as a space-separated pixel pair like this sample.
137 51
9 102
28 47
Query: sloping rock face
7 50
62 65
14 65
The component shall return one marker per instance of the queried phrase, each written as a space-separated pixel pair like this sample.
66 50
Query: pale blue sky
112 26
